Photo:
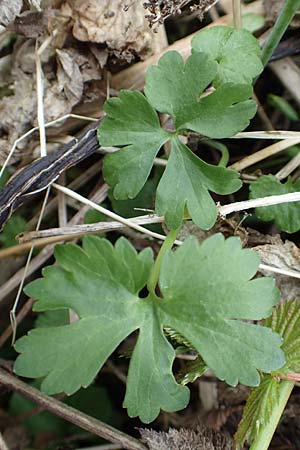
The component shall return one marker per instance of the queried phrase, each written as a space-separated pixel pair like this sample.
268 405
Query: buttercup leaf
101 283
204 306
186 182
175 88
218 115
237 53
130 121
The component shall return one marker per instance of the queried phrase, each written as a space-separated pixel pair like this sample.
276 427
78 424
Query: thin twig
40 102
62 204
286 272
26 308
42 133
103 447
15 305
75 231
54 235
276 135
70 414
259 202
108 213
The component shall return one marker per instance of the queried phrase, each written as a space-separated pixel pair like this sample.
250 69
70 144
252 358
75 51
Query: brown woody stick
70 414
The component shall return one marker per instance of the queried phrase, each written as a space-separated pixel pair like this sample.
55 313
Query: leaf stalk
264 437
284 19
167 245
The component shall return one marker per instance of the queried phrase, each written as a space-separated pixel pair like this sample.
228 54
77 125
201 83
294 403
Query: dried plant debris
285 256
68 74
9 9
126 33
30 24
159 11
272 9
202 438
72 70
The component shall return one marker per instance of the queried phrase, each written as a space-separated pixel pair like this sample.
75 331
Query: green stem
264 437
285 17
222 148
167 245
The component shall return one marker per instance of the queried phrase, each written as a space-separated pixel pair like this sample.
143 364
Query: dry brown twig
70 414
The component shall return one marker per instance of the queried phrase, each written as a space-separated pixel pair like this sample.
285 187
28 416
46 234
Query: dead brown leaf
106 22
29 24
69 76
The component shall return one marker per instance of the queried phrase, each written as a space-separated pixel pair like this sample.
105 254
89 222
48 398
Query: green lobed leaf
53 318
136 207
153 386
252 22
174 87
285 215
101 283
205 305
237 53
131 122
258 409
186 182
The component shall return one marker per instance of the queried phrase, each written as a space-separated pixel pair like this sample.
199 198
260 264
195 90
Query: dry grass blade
289 167
271 150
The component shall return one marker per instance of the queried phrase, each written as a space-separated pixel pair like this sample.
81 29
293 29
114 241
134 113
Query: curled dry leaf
106 22
284 256
9 9
69 76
